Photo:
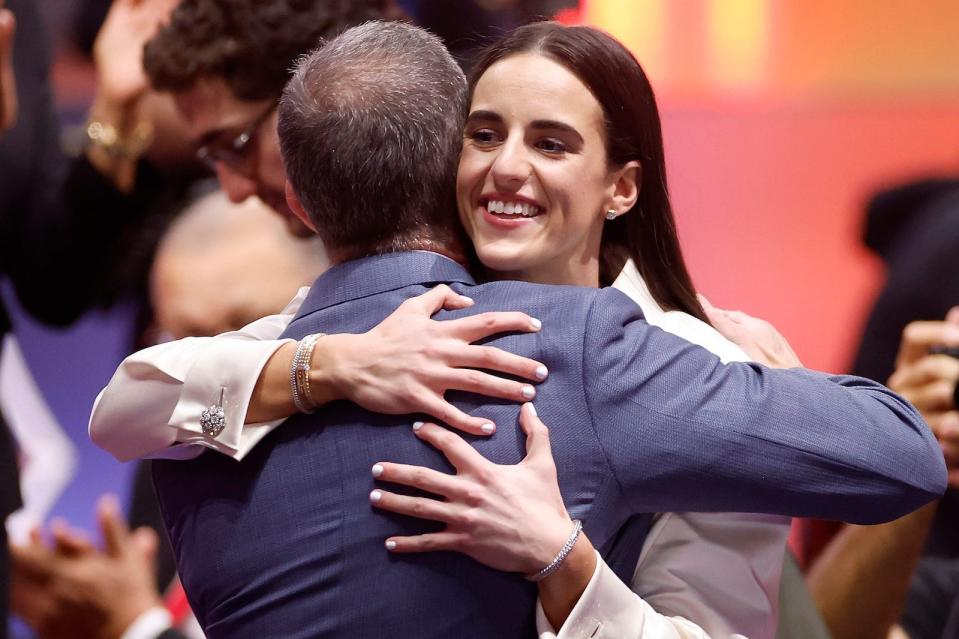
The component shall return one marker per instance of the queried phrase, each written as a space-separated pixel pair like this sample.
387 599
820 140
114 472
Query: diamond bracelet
300 373
561 556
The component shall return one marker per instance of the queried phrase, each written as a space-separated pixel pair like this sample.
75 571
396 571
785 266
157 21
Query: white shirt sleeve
608 609
153 403
149 625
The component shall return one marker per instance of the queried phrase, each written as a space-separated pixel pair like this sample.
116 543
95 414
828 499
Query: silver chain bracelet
561 556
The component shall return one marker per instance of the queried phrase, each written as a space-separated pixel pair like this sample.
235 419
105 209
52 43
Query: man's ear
296 206
627 182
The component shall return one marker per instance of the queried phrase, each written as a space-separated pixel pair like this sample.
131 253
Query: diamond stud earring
611 214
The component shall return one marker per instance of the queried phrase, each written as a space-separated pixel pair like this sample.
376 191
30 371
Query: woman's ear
297 207
625 187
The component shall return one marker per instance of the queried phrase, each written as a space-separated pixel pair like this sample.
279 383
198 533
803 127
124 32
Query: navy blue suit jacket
285 543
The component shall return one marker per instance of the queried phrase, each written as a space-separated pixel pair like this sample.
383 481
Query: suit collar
368 276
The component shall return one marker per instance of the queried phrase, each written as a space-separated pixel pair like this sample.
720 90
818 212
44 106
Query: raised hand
118 50
407 362
8 85
508 517
760 339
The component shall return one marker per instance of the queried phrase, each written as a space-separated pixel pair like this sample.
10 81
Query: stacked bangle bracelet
300 374
561 556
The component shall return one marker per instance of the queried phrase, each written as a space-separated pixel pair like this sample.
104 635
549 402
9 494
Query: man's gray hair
370 129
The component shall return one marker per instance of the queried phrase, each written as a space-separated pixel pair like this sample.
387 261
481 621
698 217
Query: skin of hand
758 338
406 363
510 518
8 86
121 81
72 589
118 49
507 517
929 380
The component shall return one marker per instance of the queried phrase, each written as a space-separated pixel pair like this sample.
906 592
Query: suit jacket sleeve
683 432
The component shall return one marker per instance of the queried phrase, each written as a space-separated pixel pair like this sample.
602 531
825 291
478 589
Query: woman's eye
483 136
551 145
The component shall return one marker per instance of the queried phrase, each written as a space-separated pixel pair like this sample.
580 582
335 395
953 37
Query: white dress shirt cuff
149 625
608 609
233 366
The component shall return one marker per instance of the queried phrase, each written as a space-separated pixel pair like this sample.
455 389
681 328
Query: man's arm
673 421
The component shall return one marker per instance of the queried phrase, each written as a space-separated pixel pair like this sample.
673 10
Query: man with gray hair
285 544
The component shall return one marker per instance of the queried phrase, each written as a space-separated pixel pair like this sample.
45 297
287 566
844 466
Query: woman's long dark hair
647 233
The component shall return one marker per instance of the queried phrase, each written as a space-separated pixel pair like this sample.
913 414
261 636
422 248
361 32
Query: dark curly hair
252 45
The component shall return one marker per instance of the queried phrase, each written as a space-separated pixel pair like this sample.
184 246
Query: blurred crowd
179 214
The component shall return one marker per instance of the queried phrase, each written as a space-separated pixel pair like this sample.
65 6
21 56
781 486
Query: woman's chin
508 260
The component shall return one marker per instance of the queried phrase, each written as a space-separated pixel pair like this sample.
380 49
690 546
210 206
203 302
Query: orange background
780 119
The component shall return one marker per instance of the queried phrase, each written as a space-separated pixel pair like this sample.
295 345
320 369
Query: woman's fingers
437 298
481 383
427 479
457 451
419 507
429 542
476 327
537 436
452 416
495 359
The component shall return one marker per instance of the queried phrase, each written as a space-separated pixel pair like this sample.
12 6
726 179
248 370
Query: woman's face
533 184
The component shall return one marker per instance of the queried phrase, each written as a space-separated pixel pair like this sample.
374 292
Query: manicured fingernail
417 425
376 495
390 544
377 470
488 428
541 372
535 323
531 409
467 299
529 392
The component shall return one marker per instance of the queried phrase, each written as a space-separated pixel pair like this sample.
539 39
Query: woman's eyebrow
554 125
485 116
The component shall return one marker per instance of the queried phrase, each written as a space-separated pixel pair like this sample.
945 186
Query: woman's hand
510 518
406 363
760 339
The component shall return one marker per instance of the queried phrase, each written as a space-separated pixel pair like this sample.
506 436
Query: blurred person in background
859 576
219 266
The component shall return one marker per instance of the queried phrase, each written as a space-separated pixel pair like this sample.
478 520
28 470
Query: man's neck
446 249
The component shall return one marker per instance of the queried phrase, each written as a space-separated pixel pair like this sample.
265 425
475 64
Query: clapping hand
70 588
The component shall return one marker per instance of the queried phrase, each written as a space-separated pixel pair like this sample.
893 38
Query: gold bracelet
107 138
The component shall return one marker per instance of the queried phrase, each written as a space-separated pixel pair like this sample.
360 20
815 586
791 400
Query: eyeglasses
234 154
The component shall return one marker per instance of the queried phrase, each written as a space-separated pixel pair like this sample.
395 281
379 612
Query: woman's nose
512 167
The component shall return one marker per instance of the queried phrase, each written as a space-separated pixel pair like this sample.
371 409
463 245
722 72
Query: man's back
286 544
